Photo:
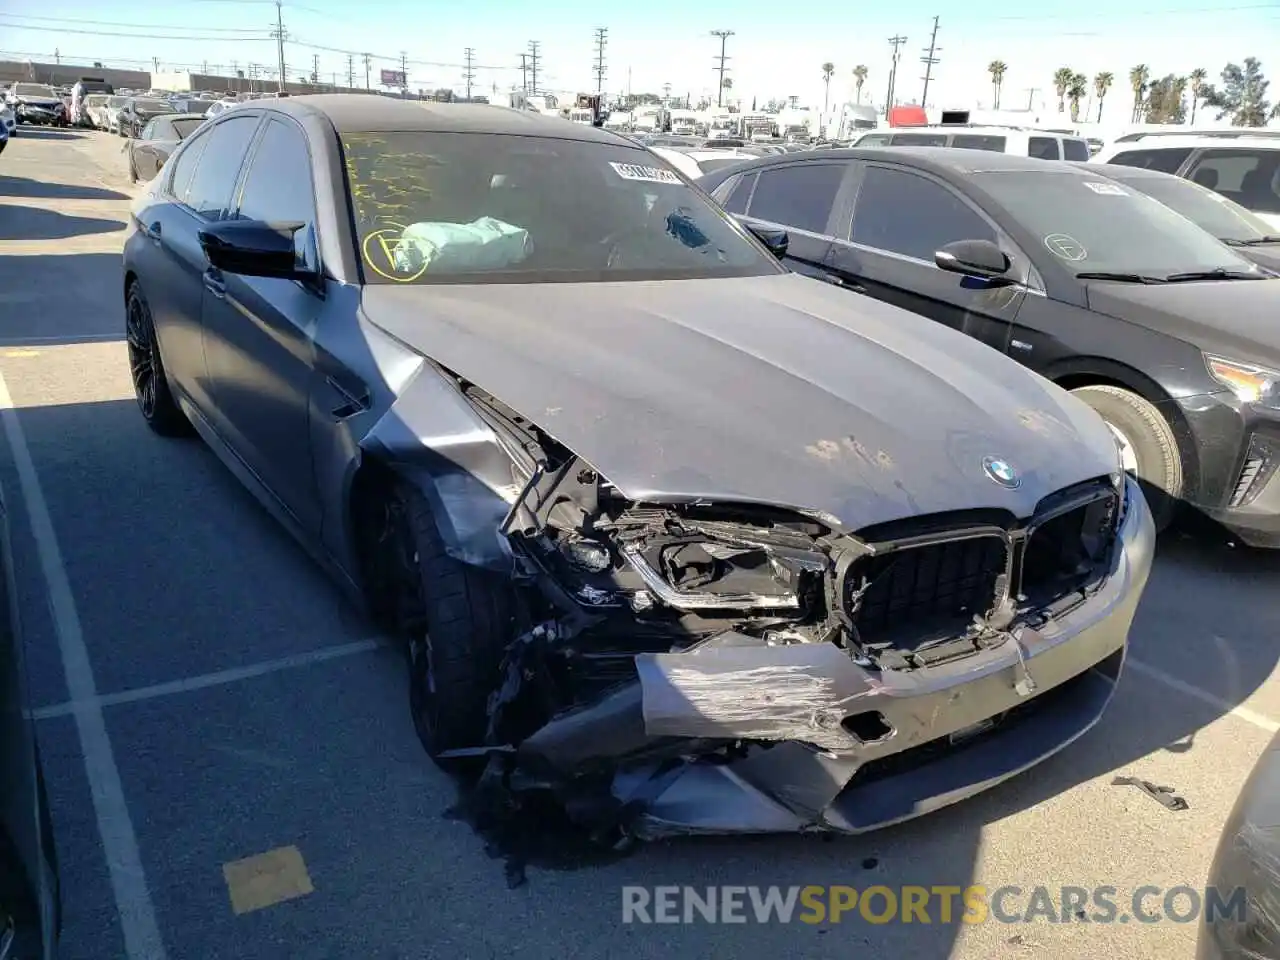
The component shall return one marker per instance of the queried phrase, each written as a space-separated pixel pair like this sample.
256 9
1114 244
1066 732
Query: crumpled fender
432 437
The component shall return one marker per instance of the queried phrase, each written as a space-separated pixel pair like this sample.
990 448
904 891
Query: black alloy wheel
150 387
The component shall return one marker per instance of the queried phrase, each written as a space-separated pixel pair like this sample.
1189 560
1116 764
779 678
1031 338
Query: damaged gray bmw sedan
675 537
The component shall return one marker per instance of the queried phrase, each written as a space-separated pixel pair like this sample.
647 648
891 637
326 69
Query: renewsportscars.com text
935 904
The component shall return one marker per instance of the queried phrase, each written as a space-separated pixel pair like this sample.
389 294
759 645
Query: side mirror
974 258
253 248
774 238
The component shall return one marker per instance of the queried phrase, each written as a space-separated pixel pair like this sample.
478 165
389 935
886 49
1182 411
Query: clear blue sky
776 51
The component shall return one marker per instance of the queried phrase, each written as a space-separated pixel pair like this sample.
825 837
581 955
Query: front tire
1143 432
458 619
150 383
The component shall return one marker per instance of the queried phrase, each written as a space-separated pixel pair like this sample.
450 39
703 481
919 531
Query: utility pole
602 39
351 72
534 57
368 59
930 61
57 57
315 69
897 42
404 74
724 36
470 73
279 35
204 68
1031 96
155 61
524 72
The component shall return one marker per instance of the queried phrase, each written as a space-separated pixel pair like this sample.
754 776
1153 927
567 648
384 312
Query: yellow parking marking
267 879
18 354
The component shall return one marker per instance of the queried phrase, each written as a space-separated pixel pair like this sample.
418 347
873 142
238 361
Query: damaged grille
1070 548
933 590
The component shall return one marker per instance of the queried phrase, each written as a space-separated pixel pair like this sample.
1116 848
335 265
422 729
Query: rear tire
458 619
1141 425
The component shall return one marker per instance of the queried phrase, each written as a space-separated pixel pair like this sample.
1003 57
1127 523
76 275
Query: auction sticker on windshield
1106 189
634 171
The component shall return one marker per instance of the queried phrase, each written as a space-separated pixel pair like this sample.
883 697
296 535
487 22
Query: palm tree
828 69
1138 77
1197 77
1101 84
859 78
1077 90
1061 81
997 69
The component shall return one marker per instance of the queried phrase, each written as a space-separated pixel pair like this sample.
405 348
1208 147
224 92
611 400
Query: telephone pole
534 57
524 72
404 74
470 73
930 61
724 36
351 72
315 69
897 42
602 39
1031 97
278 33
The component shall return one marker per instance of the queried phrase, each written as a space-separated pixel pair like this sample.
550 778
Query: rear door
805 199
1247 175
901 218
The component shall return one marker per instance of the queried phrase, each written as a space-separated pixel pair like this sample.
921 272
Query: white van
1244 169
1042 144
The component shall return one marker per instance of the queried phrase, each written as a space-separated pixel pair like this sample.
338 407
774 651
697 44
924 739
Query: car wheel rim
142 355
1128 455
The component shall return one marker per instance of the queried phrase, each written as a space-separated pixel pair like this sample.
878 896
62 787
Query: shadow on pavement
25 187
33 223
51 299
48 133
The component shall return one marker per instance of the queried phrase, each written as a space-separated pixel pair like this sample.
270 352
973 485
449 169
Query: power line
118 23
724 36
534 57
602 39
469 74
136 36
930 61
897 42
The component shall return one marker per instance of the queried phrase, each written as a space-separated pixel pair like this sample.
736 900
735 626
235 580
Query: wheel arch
1103 372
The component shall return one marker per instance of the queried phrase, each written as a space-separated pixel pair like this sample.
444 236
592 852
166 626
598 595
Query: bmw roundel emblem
1001 472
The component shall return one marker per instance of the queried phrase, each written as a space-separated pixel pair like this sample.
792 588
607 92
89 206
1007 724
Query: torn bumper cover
739 735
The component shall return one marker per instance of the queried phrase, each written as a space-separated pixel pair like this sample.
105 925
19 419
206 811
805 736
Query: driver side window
912 216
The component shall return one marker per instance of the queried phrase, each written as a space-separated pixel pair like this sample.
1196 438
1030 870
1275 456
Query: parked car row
37 104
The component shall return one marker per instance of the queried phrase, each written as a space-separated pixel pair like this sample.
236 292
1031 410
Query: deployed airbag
483 244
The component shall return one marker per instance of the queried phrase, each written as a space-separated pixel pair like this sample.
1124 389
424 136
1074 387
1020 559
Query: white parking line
218 678
1204 696
142 938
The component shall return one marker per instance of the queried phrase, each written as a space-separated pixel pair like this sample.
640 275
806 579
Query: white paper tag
1106 189
634 171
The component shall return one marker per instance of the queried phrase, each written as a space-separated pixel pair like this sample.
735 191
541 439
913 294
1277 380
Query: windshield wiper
1119 277
1221 273
1256 241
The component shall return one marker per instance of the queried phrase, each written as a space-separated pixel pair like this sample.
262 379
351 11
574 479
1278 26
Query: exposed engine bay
708 667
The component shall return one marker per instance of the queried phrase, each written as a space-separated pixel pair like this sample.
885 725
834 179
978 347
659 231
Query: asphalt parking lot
233 771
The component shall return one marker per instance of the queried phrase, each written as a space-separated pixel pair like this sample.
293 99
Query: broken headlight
586 555
699 574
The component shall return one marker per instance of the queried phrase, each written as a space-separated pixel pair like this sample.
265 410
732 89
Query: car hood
1235 318
776 389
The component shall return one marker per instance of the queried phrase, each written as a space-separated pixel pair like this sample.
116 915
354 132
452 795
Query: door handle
355 398
214 283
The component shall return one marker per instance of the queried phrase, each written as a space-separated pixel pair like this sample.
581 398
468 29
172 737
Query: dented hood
775 389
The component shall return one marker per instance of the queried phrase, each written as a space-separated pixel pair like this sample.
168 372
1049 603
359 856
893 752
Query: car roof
981 129
1122 171
945 161
1191 140
370 113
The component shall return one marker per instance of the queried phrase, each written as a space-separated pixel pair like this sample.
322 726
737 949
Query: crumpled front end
727 668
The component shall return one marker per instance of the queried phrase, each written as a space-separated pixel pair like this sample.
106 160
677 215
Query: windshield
34 90
184 126
1094 225
451 207
152 106
1224 218
117 101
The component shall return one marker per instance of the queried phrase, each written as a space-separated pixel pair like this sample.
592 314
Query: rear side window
1246 176
974 141
1164 159
740 193
874 140
215 177
185 165
798 196
1044 148
919 140
1073 149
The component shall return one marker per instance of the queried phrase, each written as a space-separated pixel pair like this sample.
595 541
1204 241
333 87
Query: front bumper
953 729
1238 455
29 113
